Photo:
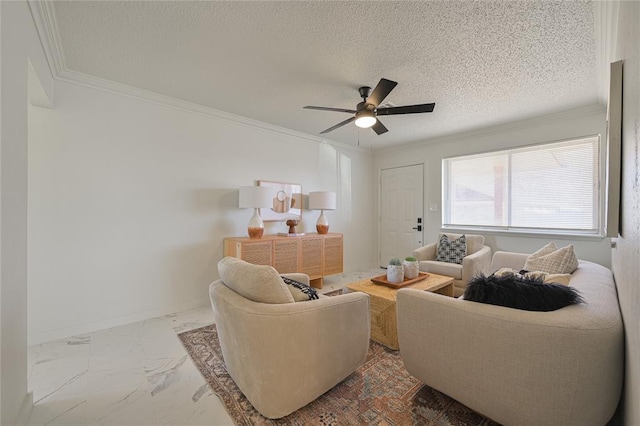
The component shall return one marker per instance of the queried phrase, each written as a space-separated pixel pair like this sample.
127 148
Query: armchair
284 354
478 260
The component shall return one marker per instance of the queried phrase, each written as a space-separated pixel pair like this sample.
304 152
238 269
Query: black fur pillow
521 293
300 291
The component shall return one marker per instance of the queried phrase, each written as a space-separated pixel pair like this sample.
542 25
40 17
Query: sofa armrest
507 259
516 367
427 252
476 263
303 278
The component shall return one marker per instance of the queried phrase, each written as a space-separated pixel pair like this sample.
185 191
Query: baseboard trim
60 333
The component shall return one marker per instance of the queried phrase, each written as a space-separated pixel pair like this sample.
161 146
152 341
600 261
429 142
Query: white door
401 212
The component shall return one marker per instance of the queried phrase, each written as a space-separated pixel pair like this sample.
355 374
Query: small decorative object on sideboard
411 267
322 200
395 271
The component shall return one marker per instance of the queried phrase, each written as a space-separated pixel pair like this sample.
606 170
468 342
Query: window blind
544 187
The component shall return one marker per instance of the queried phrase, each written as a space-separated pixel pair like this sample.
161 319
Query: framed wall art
286 201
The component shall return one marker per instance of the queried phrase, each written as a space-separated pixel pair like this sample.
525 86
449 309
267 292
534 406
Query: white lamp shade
254 197
322 200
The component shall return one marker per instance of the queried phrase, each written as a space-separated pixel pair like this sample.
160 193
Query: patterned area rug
334 293
380 392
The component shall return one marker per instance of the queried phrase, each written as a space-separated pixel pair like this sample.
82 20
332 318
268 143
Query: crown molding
47 28
46 25
585 111
91 82
606 15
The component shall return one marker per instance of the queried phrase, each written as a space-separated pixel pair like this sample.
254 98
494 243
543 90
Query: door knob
418 228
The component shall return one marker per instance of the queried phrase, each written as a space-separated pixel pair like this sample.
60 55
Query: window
549 187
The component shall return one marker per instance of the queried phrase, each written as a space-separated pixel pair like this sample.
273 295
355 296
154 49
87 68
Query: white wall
571 124
625 258
129 202
20 45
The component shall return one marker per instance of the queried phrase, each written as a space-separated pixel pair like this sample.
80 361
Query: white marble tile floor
135 374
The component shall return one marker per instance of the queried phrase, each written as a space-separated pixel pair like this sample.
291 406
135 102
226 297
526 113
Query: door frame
424 198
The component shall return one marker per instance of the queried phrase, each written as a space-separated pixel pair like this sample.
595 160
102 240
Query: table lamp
322 200
255 197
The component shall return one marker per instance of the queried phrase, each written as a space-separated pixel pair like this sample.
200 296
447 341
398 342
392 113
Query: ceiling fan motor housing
365 92
362 106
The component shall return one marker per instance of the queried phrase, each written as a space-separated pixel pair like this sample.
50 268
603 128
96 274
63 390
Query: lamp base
256 225
322 229
255 233
322 226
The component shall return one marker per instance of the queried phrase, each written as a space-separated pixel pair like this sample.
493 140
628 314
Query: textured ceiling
482 63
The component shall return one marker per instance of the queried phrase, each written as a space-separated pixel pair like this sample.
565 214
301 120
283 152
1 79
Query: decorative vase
411 269
395 273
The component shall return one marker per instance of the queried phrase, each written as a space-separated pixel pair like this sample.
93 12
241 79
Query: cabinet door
332 255
285 255
258 252
311 259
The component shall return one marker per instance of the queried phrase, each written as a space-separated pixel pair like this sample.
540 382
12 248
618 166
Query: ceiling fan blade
350 111
379 128
330 129
381 91
408 109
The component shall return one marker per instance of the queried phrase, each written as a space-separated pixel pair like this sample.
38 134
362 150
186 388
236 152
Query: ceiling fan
366 112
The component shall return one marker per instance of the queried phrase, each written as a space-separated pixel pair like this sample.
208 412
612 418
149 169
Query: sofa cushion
451 251
452 270
260 283
513 291
552 260
300 291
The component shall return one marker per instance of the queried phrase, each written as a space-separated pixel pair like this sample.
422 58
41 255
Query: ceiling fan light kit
366 112
365 119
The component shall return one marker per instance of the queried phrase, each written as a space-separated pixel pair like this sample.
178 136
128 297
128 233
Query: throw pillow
560 261
260 283
563 279
300 291
549 248
527 294
451 251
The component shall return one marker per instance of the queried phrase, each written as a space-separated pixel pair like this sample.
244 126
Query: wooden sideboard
316 255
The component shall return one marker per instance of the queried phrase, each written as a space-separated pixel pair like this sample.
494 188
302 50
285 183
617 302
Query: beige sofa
477 261
284 354
563 367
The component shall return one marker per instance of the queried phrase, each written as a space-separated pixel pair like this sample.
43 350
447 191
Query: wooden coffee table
384 323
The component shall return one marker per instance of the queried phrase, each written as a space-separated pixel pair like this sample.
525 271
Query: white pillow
260 283
563 279
549 248
553 261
